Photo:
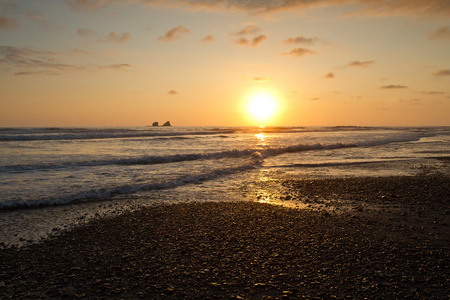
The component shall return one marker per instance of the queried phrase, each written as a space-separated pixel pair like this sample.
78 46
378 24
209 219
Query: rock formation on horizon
167 123
155 124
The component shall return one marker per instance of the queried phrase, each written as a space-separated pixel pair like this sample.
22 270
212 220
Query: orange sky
198 62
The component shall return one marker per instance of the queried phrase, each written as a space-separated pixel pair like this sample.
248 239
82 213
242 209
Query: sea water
54 178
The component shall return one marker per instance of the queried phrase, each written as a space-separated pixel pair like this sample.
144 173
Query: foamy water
67 174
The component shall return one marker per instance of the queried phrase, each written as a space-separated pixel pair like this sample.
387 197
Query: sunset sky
200 62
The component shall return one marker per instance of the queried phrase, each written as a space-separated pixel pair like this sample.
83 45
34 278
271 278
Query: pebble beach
250 250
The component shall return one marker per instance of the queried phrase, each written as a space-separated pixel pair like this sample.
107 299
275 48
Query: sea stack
167 123
155 124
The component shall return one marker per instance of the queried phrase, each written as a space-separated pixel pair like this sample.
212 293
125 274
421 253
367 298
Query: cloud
261 79
356 7
25 61
28 58
250 29
7 23
393 86
241 41
329 75
37 73
300 40
117 38
115 66
208 39
432 93
173 92
360 63
85 32
442 72
442 33
247 36
299 52
88 5
258 40
174 34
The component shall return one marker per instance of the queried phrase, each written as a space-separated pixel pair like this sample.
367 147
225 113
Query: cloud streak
301 40
357 7
88 5
115 66
85 32
208 39
7 23
442 33
443 72
261 79
243 38
393 87
174 34
35 62
299 52
250 29
362 64
119 38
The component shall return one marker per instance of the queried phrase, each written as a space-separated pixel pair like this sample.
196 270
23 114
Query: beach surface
376 238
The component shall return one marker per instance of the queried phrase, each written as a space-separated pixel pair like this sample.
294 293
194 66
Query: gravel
251 250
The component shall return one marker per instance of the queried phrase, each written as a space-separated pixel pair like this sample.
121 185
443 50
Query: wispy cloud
208 39
85 32
261 79
88 5
258 40
242 41
25 61
115 66
329 75
250 29
173 92
356 7
445 72
431 93
442 33
393 87
23 57
301 40
174 34
46 73
117 37
247 36
7 23
299 52
360 63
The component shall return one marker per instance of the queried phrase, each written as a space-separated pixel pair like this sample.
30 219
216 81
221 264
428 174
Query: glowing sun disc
262 107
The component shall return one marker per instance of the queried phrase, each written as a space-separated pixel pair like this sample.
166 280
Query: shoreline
252 250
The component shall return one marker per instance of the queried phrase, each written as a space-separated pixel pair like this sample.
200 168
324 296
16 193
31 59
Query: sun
262 107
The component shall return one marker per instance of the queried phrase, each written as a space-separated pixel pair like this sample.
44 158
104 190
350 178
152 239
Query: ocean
54 178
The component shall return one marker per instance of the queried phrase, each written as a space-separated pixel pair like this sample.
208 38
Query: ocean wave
337 164
153 160
107 193
47 134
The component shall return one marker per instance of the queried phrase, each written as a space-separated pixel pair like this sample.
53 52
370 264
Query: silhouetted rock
167 123
155 124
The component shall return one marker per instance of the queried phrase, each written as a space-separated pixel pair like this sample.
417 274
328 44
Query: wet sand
392 243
